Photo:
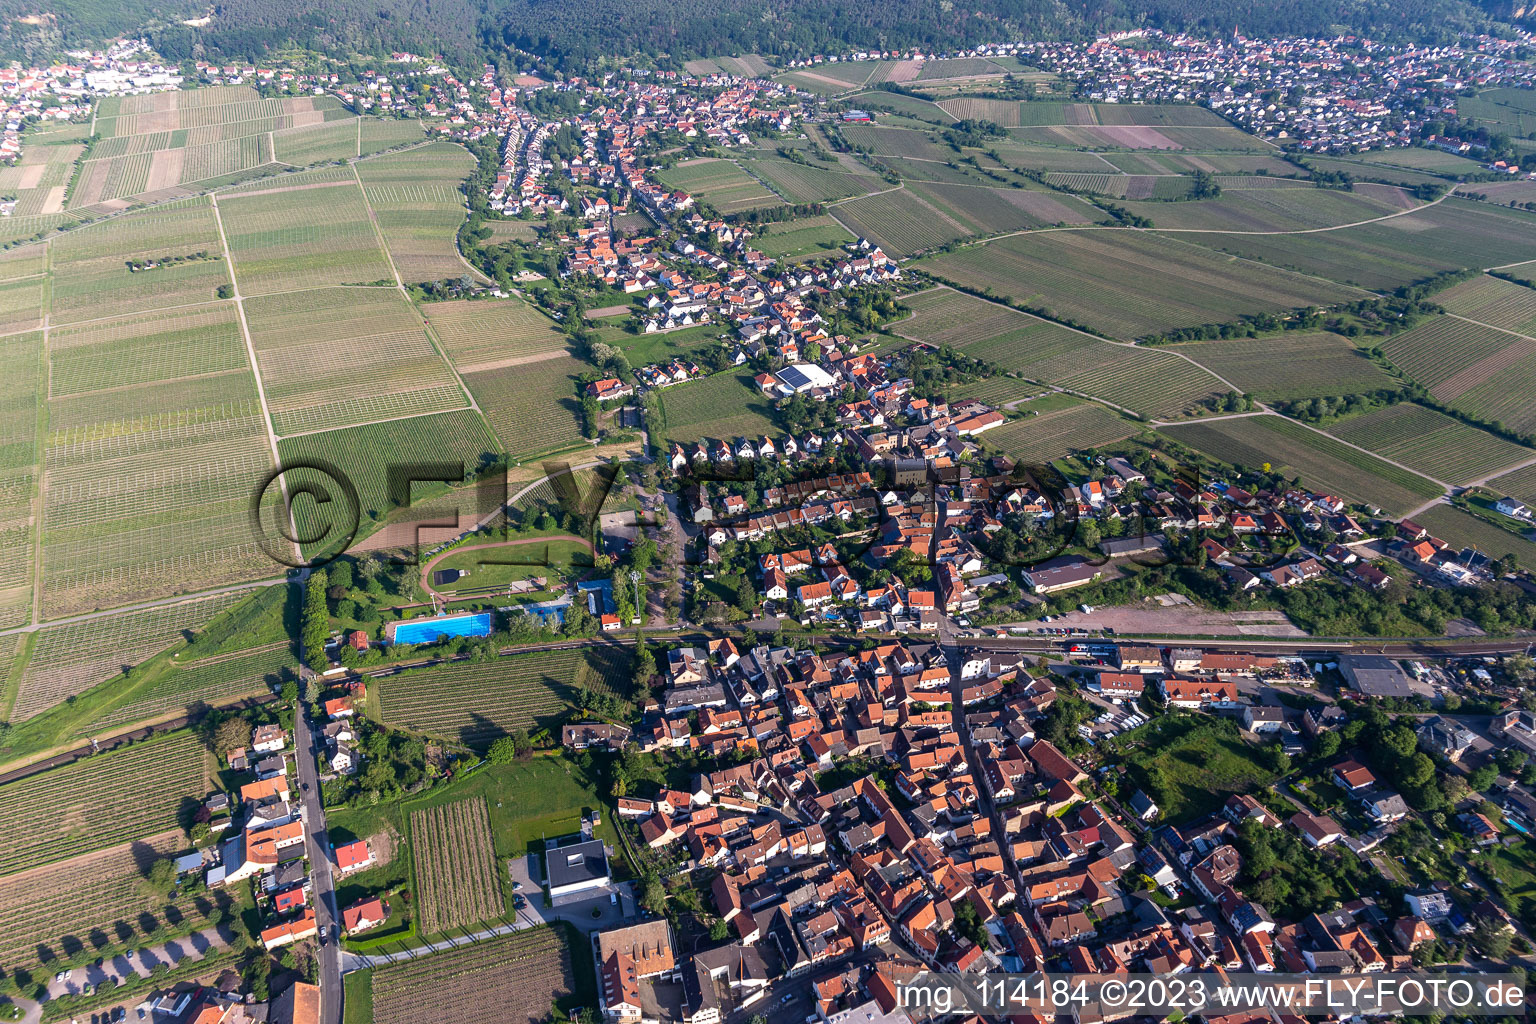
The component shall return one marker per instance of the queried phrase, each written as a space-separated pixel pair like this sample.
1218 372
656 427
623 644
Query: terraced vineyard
1431 442
1051 435
65 912
1127 284
520 975
101 801
457 881
476 704
1322 463
1292 365
69 659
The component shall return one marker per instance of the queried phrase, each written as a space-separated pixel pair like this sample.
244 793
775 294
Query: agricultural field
1125 186
362 454
1143 137
91 278
1481 371
1489 300
802 237
811 183
897 142
212 681
923 215
338 140
475 704
1436 445
724 406
291 180
149 474
906 106
1171 162
457 878
380 133
720 183
995 391
532 407
1051 435
520 974
282 241
750 66
1293 365
1271 209
1463 529
40 179
20 393
93 904
1520 483
120 177
1391 253
336 357
1128 284
1152 382
1512 111
68 660
101 801
418 203
1051 159
831 79
485 334
1321 462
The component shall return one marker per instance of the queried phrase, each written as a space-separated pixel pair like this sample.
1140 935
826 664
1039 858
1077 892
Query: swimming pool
425 631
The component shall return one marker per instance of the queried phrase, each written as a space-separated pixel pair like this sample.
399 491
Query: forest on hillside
574 34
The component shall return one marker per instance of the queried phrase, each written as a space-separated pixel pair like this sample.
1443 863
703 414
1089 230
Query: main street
307 748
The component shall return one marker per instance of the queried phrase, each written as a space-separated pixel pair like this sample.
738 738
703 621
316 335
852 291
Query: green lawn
1190 764
496 567
1515 871
358 990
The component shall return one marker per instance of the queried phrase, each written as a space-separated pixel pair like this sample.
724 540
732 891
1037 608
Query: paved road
309 744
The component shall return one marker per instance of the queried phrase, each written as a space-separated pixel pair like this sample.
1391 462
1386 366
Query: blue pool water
425 631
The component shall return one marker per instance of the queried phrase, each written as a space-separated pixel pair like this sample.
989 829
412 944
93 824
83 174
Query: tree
1328 744
719 931
317 621
653 894
502 751
1481 779
159 877
231 734
1492 936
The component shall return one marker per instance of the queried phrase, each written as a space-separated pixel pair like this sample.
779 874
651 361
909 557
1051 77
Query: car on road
789 998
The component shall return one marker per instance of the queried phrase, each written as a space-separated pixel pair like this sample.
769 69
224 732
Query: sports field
1321 462
1297 364
1431 442
1128 284
474 704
